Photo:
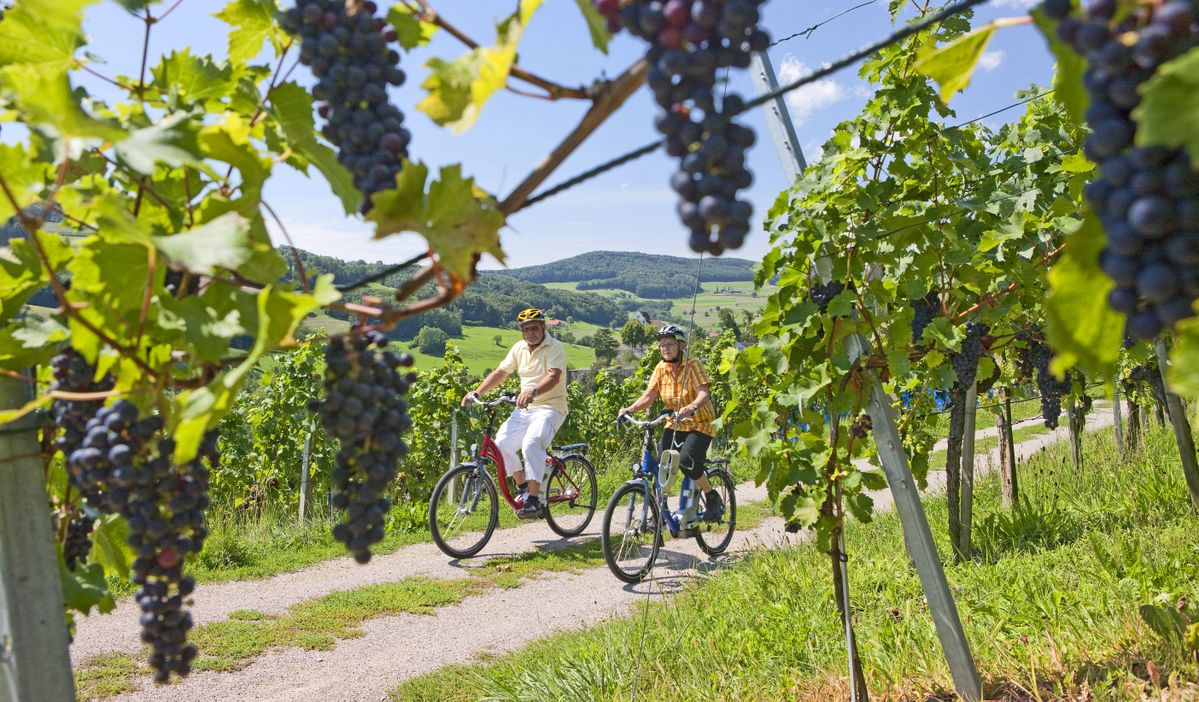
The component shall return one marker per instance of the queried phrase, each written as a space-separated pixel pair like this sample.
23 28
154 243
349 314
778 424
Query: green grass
481 353
1049 605
105 676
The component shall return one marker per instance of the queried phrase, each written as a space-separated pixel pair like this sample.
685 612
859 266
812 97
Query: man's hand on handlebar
470 397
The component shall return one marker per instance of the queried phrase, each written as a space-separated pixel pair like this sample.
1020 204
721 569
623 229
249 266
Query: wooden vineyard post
1118 417
917 534
968 470
305 484
1182 428
1007 446
35 663
1075 421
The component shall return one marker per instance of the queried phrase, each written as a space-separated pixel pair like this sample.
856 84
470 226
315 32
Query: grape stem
292 245
555 91
991 297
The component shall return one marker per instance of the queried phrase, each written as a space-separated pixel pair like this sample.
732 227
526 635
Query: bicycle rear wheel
714 537
629 533
463 511
570 496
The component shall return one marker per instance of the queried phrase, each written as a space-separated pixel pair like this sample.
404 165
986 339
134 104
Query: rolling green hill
481 354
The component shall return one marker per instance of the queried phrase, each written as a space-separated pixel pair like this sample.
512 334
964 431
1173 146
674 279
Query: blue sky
631 208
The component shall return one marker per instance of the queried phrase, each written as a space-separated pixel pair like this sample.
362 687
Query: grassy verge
1049 603
317 624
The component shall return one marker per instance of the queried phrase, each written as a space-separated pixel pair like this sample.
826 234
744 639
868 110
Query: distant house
554 322
642 317
714 335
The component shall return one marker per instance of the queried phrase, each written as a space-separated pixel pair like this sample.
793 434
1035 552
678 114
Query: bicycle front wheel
714 537
629 533
463 511
570 496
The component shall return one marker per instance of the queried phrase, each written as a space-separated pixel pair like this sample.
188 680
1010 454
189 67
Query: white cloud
990 60
811 97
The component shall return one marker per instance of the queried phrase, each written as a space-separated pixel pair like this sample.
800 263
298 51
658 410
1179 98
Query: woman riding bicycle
682 384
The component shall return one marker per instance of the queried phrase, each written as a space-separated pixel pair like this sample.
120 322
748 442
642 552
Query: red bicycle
464 509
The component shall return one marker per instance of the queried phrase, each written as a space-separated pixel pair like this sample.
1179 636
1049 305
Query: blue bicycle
638 515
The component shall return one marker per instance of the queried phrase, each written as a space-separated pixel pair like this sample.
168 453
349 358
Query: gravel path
397 648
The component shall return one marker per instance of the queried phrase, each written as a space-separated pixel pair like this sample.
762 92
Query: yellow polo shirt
534 365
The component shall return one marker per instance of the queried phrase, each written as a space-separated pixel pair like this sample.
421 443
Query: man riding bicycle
540 359
682 384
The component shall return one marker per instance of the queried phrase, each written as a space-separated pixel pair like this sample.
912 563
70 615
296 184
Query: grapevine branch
512 204
60 290
554 91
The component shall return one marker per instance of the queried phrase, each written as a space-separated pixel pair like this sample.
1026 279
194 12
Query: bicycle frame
647 474
488 450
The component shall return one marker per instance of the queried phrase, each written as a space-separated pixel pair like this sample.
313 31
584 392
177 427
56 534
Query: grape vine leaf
253 21
193 79
411 31
596 25
22 271
279 313
24 174
45 33
458 89
953 64
84 588
110 548
458 221
1184 359
1067 80
291 106
222 243
1169 111
45 99
1081 327
171 141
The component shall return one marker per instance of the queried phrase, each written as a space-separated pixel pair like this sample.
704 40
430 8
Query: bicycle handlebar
502 399
628 419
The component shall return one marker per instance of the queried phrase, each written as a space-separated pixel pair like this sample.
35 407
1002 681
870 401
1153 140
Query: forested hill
490 301
600 265
645 275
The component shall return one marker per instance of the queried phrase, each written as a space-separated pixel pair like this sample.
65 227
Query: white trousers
532 431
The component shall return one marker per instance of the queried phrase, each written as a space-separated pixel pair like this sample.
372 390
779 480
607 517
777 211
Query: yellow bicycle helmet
530 315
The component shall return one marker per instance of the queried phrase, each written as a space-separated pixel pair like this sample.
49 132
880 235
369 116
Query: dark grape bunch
1147 197
862 426
965 362
364 407
166 522
119 471
1035 357
925 310
823 293
78 542
349 55
690 41
74 374
103 468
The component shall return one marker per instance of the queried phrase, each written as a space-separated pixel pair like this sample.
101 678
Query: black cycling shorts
692 447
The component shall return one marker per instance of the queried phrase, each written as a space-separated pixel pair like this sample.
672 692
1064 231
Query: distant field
323 321
481 353
736 296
